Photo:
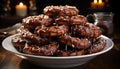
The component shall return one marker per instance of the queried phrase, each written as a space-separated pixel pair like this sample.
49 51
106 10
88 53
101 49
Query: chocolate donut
31 37
97 46
75 42
65 53
33 21
18 42
51 31
54 11
46 50
89 30
73 20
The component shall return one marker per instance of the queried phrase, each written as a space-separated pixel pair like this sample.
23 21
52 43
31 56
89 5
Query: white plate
56 61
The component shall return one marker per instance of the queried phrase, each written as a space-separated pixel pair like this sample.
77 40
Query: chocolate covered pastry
59 31
70 52
18 42
46 50
75 42
33 21
88 30
73 20
60 11
97 46
31 37
51 31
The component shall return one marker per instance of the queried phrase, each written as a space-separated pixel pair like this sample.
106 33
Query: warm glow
95 1
21 9
20 4
97 4
100 1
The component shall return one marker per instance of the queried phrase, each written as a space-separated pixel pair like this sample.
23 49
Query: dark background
82 5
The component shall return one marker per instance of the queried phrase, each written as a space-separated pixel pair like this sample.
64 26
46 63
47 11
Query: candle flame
98 4
100 1
95 1
21 4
